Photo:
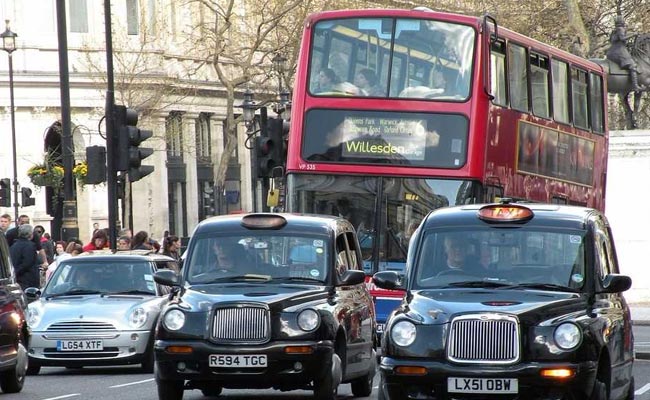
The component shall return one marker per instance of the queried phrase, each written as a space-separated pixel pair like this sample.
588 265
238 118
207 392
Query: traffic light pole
111 173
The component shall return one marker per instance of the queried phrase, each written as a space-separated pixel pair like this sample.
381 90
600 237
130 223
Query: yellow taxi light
560 373
298 350
505 213
263 221
408 370
179 349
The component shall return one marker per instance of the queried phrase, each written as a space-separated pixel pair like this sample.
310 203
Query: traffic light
5 192
26 197
264 148
129 154
96 161
277 129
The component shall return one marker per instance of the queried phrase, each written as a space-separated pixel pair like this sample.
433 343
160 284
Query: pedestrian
171 247
36 238
124 243
59 249
141 241
5 221
24 259
46 243
71 250
125 232
98 242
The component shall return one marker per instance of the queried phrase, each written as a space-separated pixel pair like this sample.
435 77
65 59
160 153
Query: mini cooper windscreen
265 256
553 259
101 278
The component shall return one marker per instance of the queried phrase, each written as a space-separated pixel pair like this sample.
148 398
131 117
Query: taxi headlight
34 315
308 320
174 319
137 317
567 336
403 333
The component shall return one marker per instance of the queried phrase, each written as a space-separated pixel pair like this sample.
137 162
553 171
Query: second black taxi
267 301
509 301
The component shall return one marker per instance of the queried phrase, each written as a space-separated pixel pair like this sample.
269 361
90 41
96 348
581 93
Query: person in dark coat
24 258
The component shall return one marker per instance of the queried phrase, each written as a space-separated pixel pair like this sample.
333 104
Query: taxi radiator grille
80 326
484 339
241 325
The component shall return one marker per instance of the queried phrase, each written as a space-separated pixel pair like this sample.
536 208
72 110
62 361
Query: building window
203 136
78 16
174 135
132 17
151 16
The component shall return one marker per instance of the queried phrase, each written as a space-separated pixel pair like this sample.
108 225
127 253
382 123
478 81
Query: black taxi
509 301
267 301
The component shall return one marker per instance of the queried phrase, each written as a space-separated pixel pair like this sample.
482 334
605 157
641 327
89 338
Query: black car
268 301
509 301
15 334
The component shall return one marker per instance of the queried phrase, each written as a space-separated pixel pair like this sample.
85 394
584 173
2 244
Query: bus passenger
326 80
366 80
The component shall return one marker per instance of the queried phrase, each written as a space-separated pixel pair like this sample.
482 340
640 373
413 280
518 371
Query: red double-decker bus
398 112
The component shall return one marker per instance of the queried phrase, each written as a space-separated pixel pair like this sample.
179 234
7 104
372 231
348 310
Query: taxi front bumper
433 384
287 370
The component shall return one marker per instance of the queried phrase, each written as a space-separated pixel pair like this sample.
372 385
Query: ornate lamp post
279 62
9 45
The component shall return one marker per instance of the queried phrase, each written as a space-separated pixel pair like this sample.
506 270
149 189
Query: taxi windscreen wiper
480 284
74 292
246 277
548 286
298 278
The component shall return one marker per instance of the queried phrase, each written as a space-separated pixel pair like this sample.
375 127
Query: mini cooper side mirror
32 293
387 280
352 277
615 283
167 277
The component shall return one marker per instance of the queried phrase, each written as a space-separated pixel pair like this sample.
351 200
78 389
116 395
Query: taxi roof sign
263 221
505 213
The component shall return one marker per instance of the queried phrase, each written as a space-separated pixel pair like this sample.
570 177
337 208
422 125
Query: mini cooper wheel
328 386
169 389
12 380
213 391
33 368
362 387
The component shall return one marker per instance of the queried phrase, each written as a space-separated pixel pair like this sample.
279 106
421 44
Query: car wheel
148 361
33 368
169 389
362 387
214 391
600 390
380 391
630 391
12 380
327 388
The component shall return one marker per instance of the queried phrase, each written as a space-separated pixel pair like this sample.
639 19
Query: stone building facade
188 124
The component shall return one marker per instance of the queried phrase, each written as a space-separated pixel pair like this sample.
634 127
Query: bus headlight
403 333
567 336
174 319
308 320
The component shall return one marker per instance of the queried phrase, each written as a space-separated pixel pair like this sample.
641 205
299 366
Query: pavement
641 317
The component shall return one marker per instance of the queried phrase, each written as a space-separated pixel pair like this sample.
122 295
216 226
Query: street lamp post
9 45
279 62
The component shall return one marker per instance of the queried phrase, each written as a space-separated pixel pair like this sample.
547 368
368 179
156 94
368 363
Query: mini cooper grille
484 339
241 325
80 326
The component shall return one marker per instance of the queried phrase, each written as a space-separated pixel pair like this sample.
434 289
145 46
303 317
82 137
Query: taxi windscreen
258 257
522 256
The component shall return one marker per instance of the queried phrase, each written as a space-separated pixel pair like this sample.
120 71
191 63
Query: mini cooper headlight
34 315
174 319
567 336
403 333
308 320
137 317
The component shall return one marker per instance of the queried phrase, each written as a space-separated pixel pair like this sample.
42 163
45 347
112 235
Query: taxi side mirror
389 280
615 283
166 277
352 277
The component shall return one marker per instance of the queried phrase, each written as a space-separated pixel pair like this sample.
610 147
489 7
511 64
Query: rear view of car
509 300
